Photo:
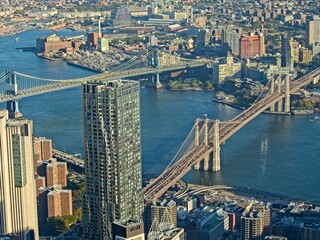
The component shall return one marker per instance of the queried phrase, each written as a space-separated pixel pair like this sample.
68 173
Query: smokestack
99 28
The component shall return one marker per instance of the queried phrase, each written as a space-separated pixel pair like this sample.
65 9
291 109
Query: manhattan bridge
201 148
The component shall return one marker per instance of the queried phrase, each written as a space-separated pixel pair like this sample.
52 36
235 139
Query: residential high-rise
255 223
287 57
203 38
120 17
111 130
42 149
313 31
54 172
156 210
18 208
230 41
59 202
53 202
251 46
40 182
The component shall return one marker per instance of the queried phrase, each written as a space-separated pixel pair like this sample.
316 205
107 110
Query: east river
279 154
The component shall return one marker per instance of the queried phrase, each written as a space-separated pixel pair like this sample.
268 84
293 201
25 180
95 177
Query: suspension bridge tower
12 89
281 84
207 133
153 61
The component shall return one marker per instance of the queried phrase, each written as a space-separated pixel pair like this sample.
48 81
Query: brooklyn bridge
201 148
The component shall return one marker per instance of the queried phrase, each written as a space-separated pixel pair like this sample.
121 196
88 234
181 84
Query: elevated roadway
196 153
68 158
56 85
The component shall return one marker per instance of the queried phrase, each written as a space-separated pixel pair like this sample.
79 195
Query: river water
279 154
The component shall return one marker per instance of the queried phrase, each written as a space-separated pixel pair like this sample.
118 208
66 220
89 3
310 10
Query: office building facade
18 208
111 123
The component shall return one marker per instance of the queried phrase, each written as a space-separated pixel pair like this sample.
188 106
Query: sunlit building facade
111 123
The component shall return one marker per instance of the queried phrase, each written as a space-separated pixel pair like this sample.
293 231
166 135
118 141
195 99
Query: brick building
42 149
54 43
251 46
54 172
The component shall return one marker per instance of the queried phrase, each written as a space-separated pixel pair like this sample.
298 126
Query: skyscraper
111 123
18 204
287 57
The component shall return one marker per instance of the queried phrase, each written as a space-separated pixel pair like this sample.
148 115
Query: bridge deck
56 85
173 173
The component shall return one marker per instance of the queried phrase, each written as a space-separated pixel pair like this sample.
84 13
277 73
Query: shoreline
49 58
253 192
192 89
82 66
7 34
256 193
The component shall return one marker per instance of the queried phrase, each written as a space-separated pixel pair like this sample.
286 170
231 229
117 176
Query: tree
305 104
78 213
244 93
194 84
208 85
55 226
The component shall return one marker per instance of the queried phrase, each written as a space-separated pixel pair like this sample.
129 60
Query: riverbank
12 31
49 58
247 193
83 67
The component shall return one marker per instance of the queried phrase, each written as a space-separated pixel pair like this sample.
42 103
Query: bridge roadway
178 169
68 158
56 85
246 116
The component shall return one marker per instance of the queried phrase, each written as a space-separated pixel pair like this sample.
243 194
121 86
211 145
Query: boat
316 118
17 39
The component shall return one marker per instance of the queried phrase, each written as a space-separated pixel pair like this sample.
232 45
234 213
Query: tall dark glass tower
286 52
111 131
